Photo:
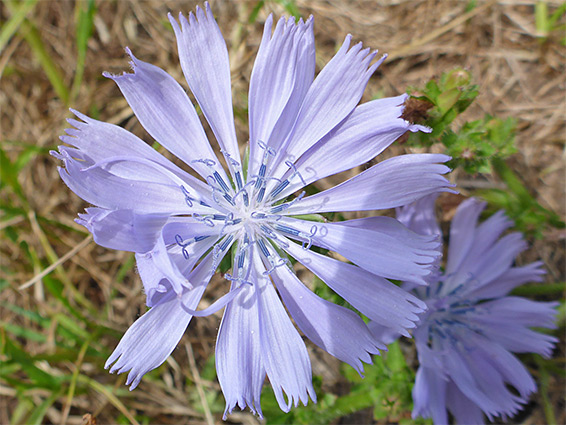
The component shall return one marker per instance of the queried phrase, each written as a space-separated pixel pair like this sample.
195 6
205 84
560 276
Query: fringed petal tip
255 408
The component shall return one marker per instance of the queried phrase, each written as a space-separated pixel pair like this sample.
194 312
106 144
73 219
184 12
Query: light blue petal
281 76
462 408
238 353
512 278
396 253
429 396
332 97
204 59
462 232
361 136
375 297
91 184
154 336
420 216
391 183
123 229
335 329
284 354
165 111
100 141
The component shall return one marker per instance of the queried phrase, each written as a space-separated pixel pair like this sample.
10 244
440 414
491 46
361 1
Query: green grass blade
13 24
36 418
84 29
33 38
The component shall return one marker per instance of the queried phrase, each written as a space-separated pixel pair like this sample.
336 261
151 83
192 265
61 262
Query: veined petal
462 232
463 409
337 330
165 111
361 136
204 59
506 364
499 258
373 296
284 353
332 97
101 141
512 278
238 353
154 336
481 382
142 197
391 183
151 339
383 334
517 338
123 229
521 311
495 261
157 273
420 216
282 74
393 252
159 264
480 238
429 396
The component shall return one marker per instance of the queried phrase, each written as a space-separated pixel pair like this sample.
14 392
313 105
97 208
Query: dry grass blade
198 383
56 264
406 50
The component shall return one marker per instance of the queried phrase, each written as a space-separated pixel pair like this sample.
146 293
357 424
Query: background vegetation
488 76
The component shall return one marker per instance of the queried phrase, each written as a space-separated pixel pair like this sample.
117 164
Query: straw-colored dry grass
520 75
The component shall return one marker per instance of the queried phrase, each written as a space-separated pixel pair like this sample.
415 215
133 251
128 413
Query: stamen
212 183
238 279
287 181
280 188
274 265
218 249
226 242
309 238
281 207
188 199
260 182
239 184
206 161
295 172
260 194
184 244
294 232
263 248
229 159
221 182
269 232
229 221
204 219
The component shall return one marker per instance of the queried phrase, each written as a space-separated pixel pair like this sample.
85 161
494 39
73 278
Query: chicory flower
466 338
301 129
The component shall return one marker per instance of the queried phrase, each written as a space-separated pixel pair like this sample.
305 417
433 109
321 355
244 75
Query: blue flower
466 338
181 226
